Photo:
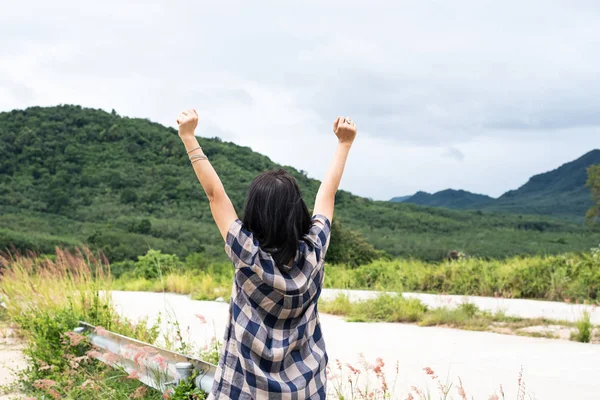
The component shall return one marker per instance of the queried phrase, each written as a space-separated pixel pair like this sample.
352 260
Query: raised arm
345 130
220 205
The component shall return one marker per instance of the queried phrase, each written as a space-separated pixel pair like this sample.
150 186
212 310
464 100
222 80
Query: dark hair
276 214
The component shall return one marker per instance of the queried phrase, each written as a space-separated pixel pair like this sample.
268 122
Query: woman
273 346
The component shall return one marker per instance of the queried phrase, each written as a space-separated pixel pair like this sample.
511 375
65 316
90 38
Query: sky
476 95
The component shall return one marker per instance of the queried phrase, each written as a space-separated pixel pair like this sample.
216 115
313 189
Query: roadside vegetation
396 308
45 297
567 277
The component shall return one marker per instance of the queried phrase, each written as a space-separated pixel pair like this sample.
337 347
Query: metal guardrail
154 366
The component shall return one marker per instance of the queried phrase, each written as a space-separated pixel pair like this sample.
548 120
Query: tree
350 247
593 183
128 196
154 264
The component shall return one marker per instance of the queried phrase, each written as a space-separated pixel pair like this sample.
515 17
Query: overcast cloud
477 95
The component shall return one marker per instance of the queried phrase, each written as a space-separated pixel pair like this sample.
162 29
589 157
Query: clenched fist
187 121
345 129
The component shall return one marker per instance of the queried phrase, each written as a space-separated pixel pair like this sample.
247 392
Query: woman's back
274 347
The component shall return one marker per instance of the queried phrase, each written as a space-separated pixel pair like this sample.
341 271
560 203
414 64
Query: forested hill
71 176
449 198
558 192
561 192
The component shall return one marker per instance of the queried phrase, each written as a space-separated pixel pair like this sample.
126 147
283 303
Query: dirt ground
11 360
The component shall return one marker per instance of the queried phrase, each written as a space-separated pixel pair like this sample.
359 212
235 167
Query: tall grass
158 272
46 297
370 381
569 276
199 285
584 329
396 308
382 308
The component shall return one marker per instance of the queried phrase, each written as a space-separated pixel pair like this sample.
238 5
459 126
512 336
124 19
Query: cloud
453 152
437 79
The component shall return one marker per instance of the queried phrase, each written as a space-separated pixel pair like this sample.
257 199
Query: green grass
465 316
396 308
46 298
561 277
567 276
584 329
385 308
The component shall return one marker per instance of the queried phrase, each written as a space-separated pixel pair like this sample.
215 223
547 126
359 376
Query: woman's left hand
187 121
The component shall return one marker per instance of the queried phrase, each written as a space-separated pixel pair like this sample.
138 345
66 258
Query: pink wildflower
384 386
200 318
89 383
461 389
418 392
133 375
101 331
139 393
494 397
162 362
355 371
379 364
75 338
74 362
44 384
44 366
139 356
94 354
111 358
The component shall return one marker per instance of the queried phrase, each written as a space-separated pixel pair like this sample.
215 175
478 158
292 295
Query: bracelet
197 157
193 149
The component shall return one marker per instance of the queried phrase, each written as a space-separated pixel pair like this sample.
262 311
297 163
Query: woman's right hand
187 121
345 129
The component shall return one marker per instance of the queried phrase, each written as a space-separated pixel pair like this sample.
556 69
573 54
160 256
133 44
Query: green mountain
560 192
450 198
72 176
399 199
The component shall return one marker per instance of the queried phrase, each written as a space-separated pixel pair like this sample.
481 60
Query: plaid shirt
273 346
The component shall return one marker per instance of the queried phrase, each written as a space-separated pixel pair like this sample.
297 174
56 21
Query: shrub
584 329
387 308
155 264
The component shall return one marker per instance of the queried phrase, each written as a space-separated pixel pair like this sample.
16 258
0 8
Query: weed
584 329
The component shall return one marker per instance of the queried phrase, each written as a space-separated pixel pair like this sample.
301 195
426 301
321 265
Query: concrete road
553 369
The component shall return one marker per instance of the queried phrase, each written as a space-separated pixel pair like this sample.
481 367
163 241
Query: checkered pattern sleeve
318 236
240 245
